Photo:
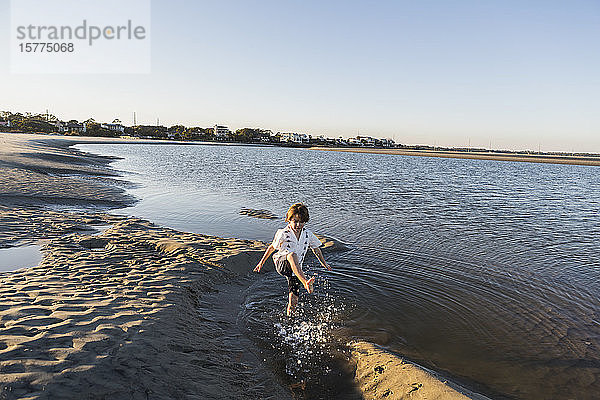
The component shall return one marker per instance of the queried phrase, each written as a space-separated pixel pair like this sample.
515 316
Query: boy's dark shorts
284 268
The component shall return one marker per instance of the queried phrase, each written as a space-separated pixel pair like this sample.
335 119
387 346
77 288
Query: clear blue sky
513 74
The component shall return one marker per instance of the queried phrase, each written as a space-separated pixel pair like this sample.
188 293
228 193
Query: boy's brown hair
298 209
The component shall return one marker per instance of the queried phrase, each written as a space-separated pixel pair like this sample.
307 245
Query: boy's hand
258 267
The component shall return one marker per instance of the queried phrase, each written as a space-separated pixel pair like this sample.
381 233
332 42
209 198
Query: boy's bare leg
308 283
292 303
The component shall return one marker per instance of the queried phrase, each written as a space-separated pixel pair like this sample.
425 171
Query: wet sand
571 160
137 310
382 375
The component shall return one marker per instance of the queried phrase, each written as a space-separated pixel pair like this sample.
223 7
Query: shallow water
486 271
14 258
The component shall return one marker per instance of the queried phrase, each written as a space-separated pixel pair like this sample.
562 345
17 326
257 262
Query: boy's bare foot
310 285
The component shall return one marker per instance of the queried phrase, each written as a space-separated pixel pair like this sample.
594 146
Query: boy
291 244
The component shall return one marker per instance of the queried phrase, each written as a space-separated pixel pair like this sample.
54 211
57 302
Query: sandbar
495 156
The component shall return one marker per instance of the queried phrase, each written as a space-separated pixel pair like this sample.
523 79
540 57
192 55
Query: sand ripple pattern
121 315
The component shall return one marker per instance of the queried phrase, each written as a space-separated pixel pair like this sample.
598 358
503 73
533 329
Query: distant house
5 123
388 143
290 137
75 127
221 131
60 126
294 137
264 135
341 141
114 127
366 140
354 142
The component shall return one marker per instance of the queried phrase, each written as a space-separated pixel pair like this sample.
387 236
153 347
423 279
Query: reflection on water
14 258
488 271
100 229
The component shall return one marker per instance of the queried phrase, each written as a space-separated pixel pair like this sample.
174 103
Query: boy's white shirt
285 242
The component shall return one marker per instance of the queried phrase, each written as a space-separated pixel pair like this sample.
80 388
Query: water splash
305 340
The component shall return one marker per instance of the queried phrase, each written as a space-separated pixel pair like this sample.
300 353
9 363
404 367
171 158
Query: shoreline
128 312
546 159
115 314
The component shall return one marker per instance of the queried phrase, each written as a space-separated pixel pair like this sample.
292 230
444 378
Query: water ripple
489 270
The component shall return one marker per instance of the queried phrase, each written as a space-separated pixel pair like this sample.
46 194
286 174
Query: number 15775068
45 47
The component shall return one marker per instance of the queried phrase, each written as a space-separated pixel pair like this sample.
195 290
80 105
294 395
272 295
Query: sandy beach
135 310
518 157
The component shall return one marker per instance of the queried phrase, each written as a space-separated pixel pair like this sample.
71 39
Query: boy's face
296 224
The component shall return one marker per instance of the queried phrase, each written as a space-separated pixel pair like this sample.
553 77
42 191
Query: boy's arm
319 255
264 258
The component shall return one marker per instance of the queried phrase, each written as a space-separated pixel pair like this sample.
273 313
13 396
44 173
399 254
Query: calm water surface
486 271
14 258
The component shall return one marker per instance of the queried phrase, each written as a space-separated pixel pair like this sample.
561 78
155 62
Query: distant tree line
50 124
